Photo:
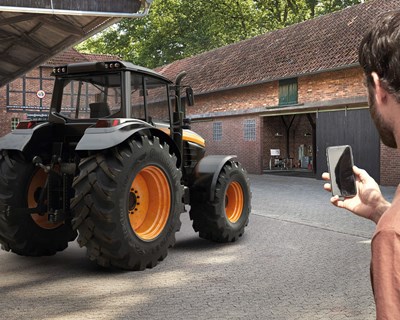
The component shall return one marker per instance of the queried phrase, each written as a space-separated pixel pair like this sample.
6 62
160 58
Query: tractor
114 165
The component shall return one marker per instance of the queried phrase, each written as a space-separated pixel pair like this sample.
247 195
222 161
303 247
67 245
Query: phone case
340 164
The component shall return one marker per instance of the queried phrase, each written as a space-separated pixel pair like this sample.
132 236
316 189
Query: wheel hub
133 198
234 202
149 203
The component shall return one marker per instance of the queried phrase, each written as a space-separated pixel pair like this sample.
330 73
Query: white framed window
217 131
14 123
249 130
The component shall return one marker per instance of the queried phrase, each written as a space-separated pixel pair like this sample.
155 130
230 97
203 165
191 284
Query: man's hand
368 203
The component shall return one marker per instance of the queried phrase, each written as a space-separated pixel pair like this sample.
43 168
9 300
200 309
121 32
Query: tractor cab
89 91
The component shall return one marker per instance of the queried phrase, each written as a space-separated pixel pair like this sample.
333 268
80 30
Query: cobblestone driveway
300 258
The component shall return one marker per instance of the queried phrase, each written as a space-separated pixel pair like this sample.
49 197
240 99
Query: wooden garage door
353 127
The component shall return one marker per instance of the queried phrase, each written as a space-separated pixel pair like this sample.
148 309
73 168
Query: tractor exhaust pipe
178 115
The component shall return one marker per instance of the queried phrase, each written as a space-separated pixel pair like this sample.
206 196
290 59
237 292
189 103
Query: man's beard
385 132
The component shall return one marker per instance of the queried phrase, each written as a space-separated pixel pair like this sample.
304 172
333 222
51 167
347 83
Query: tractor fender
96 139
24 139
207 172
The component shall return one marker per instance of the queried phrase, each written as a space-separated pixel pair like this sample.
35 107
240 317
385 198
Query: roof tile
324 43
72 56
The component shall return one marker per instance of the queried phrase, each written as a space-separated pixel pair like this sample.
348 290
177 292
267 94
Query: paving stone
300 258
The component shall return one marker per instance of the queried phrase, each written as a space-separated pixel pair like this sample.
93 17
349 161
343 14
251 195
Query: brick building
296 90
29 97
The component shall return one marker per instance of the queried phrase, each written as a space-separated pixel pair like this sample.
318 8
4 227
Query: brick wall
5 117
233 142
4 122
32 85
331 85
390 166
312 88
258 96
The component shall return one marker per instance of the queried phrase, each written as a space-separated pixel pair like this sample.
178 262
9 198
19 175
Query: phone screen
340 164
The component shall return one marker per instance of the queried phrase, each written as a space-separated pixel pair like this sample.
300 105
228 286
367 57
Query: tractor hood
32 31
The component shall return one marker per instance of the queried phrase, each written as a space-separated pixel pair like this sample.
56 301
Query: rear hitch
14 214
37 161
67 168
57 216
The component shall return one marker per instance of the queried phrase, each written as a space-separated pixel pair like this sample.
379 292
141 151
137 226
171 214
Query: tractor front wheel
225 218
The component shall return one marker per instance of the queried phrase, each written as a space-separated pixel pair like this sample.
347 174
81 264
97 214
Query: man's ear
380 92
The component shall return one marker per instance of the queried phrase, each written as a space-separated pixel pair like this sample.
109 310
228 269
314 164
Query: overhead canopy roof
32 31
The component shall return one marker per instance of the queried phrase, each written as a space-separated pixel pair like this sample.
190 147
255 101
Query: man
379 56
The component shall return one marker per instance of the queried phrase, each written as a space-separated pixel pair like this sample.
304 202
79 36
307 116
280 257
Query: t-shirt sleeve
385 273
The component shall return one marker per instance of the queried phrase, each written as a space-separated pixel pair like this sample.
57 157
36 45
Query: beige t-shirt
385 264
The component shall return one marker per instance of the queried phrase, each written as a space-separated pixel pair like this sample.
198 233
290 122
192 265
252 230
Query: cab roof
104 66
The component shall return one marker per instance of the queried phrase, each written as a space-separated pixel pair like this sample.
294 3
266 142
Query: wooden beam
63 25
19 18
26 41
23 70
7 37
11 59
97 22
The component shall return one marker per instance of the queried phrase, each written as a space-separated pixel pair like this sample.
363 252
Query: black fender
207 171
96 139
26 139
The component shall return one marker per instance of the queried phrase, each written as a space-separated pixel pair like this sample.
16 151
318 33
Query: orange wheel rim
36 185
234 202
149 203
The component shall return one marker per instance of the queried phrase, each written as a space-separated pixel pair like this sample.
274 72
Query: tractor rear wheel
225 218
27 234
127 205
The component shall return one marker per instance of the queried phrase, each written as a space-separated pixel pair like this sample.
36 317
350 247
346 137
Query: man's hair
379 52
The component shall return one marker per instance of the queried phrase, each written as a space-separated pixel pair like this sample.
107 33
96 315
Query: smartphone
340 164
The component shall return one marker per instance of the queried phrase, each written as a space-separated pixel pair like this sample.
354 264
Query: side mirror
190 96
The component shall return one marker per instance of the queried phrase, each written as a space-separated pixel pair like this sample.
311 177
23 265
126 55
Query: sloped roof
100 57
65 57
72 56
325 43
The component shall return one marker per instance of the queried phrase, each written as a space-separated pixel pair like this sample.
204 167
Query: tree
321 7
176 29
277 14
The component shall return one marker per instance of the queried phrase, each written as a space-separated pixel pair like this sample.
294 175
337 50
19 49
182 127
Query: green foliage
176 29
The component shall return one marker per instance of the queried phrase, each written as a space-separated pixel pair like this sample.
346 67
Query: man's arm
385 273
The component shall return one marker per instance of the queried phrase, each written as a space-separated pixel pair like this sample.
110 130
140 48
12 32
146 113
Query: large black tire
128 204
225 218
23 233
